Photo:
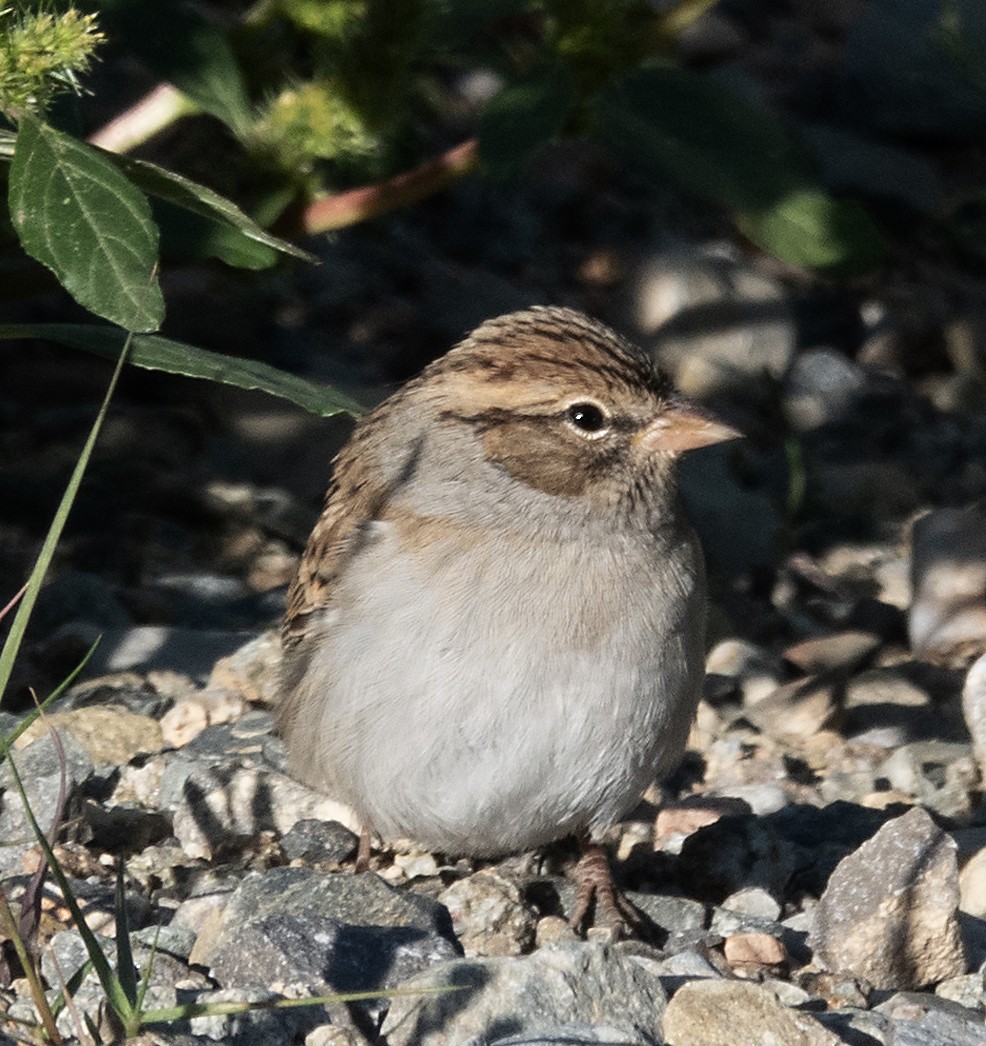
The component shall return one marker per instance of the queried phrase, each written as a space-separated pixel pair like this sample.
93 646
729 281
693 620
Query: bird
495 637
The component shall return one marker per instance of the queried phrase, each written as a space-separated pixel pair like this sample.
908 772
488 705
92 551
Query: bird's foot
596 891
363 850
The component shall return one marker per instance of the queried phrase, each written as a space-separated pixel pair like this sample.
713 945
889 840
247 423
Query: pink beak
681 427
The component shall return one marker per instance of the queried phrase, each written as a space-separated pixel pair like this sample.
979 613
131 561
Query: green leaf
77 214
178 45
523 116
174 357
675 125
200 200
186 236
126 972
810 228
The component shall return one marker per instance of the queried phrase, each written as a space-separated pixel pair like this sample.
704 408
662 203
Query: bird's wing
355 499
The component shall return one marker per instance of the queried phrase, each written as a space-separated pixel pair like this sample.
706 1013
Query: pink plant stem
10 606
370 201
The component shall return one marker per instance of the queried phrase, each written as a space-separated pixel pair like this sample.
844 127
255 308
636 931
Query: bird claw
596 891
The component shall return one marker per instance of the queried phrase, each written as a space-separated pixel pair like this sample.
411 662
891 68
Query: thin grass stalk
8 927
12 644
107 977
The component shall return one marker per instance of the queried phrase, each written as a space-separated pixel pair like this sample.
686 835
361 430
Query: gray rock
726 923
717 324
252 670
974 708
582 985
172 939
135 693
948 579
755 901
966 990
858 1027
926 1020
890 910
327 931
837 650
709 1012
796 710
40 770
226 805
941 775
489 914
258 1027
757 672
571 1035
671 913
821 387
733 853
314 842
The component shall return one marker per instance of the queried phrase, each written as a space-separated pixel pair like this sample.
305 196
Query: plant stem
152 114
370 201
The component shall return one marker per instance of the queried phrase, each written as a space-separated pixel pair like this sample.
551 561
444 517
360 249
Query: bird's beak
680 427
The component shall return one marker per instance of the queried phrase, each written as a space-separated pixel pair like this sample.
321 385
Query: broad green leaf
187 236
77 214
810 228
523 116
220 217
203 201
678 126
175 357
180 46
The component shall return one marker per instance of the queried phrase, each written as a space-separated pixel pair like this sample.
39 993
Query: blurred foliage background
858 150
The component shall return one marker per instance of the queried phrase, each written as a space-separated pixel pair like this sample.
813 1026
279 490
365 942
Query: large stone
890 910
583 985
335 932
111 735
489 914
712 1012
222 806
40 766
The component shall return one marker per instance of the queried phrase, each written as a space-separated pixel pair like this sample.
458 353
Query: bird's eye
587 418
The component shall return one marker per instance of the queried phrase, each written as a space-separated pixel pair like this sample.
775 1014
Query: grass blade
24 610
107 977
125 971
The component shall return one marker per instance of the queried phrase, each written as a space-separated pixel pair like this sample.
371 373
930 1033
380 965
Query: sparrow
495 638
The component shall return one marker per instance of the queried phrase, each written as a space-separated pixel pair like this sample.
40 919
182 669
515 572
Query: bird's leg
595 887
363 850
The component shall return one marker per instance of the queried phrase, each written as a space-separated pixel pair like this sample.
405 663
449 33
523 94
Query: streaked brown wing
355 498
